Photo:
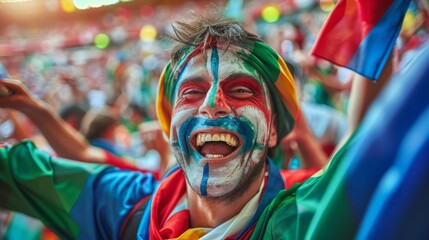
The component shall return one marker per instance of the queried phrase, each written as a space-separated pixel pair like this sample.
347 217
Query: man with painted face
224 99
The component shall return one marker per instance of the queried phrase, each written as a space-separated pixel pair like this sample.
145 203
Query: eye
192 93
240 92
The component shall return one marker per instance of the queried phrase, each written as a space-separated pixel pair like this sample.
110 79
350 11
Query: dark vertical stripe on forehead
215 71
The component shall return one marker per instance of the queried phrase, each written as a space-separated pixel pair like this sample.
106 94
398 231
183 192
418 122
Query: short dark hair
96 123
75 111
198 27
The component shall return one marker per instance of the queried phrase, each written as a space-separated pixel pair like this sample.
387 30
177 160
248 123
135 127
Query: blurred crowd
107 94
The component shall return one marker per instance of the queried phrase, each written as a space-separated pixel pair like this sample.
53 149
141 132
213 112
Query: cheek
187 105
255 115
257 119
179 117
255 107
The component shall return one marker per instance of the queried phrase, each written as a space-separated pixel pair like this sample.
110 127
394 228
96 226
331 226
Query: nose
215 105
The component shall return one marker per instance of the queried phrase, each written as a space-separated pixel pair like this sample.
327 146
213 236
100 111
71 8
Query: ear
272 140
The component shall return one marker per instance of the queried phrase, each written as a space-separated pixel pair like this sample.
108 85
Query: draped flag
380 189
360 34
376 186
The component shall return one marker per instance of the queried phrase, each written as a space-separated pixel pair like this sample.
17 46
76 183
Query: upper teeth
228 138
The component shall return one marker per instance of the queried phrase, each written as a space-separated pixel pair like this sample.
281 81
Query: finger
15 86
5 91
295 149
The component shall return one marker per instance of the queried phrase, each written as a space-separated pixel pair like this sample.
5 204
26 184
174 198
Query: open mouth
216 145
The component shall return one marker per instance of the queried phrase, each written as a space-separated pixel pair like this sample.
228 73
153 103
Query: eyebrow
235 76
195 79
240 76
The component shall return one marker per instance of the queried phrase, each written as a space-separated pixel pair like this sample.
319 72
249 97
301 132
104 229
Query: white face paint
221 123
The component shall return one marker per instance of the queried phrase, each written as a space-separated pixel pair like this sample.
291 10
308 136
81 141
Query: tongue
216 148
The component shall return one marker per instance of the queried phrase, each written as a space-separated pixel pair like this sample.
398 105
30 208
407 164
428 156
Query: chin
219 192
221 189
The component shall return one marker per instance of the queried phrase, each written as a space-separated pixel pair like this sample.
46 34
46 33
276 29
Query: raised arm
363 93
66 141
19 132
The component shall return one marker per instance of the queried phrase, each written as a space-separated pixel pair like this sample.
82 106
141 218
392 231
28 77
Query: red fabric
328 149
169 193
125 164
347 25
176 225
47 234
290 177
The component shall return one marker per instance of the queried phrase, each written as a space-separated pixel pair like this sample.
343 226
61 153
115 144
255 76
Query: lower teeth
213 155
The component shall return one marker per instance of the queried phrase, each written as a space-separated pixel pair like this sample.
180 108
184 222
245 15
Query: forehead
216 65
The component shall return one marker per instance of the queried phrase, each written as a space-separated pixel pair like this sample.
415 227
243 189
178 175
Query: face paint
214 63
221 122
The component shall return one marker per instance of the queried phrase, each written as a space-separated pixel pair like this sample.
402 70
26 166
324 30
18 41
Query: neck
206 212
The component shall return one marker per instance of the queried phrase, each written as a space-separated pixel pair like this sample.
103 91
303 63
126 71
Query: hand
19 97
152 136
4 91
290 143
301 142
